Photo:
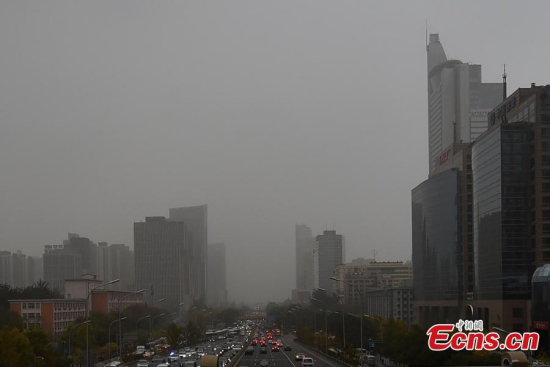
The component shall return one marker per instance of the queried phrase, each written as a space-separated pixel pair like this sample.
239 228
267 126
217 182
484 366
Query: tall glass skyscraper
458 102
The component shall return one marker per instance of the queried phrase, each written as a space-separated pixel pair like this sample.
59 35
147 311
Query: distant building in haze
305 244
217 274
121 266
328 254
19 270
458 102
61 263
86 248
161 264
103 262
196 224
366 275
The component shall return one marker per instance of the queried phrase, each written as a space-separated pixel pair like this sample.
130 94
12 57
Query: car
143 363
190 364
264 363
275 349
263 350
163 365
307 362
299 356
113 364
288 348
249 350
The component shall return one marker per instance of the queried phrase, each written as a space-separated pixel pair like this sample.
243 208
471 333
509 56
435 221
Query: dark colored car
249 350
263 350
288 348
275 349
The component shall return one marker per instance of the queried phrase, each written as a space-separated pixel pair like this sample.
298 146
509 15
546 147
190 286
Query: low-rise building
52 315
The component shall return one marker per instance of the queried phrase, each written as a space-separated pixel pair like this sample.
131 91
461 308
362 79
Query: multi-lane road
285 359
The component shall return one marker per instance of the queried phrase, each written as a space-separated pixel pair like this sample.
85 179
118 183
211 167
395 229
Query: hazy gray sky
272 113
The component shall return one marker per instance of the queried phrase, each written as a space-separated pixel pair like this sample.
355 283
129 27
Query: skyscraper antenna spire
504 93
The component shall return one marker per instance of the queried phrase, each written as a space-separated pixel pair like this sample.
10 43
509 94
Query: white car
307 362
114 364
143 363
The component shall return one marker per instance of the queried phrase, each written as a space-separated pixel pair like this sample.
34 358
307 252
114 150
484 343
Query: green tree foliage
16 349
9 318
38 340
194 332
174 335
305 334
228 316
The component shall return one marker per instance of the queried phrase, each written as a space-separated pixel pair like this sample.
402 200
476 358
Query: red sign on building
541 325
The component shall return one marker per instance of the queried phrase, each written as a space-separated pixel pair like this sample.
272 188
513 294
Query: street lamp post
362 304
137 322
325 314
88 315
111 324
343 317
119 314
343 328
71 329
151 319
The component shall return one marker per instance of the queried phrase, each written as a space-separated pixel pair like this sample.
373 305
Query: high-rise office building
87 249
305 244
328 254
511 200
458 102
196 224
217 286
442 239
436 225
161 264
61 263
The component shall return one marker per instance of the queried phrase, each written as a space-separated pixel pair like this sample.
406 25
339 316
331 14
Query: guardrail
234 362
